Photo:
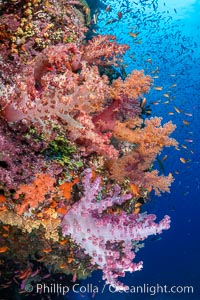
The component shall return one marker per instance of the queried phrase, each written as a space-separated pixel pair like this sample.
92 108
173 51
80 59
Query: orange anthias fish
70 260
183 160
63 266
137 208
134 189
186 122
47 250
108 8
133 34
177 110
25 274
158 88
143 102
3 249
63 242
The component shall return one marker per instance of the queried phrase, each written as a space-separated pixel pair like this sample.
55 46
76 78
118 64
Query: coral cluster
101 235
76 156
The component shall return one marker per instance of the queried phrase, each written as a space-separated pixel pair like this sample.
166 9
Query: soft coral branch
107 238
103 50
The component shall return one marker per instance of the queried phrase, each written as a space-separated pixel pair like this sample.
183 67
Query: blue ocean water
167 47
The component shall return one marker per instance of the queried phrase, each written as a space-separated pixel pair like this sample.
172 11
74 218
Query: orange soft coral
151 139
148 143
137 170
134 85
33 194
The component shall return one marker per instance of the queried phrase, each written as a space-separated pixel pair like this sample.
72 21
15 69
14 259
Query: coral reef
77 150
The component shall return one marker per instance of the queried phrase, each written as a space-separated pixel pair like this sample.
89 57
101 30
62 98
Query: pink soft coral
108 238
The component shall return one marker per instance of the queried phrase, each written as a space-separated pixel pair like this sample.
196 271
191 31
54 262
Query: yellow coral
50 222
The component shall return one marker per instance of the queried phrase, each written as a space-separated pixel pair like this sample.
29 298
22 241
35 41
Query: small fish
119 14
149 60
3 249
70 260
183 146
95 18
143 102
2 208
63 266
108 8
188 140
87 10
164 158
183 160
111 21
172 75
133 34
25 274
173 85
155 76
166 95
136 211
62 242
186 122
175 10
47 250
156 239
147 112
160 164
138 42
177 110
138 204
187 114
166 102
155 71
158 88
170 113
176 172
134 189
155 102
6 227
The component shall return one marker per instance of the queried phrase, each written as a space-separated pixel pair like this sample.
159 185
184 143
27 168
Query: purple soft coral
102 234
